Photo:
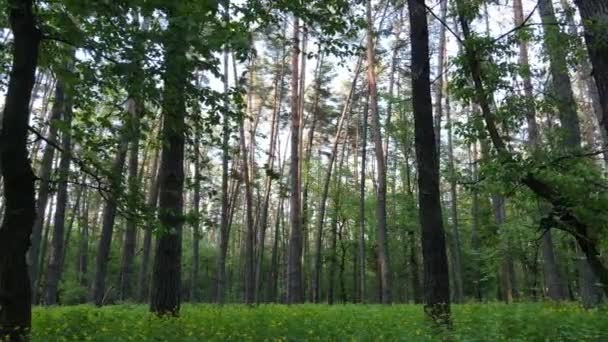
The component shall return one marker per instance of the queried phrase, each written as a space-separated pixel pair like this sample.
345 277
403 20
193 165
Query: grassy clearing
473 322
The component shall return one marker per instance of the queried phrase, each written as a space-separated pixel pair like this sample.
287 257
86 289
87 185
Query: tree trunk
54 268
108 217
250 234
475 227
44 174
553 281
436 277
294 263
439 88
83 243
166 280
224 224
18 177
362 260
383 254
594 14
127 267
143 284
196 225
456 247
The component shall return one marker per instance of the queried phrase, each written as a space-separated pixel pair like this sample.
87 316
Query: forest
288 170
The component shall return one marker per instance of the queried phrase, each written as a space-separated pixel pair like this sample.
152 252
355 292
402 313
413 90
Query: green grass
472 322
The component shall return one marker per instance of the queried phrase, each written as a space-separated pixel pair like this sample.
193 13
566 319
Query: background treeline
325 151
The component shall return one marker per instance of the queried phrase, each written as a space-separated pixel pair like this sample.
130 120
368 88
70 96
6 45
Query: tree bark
44 174
108 218
17 175
362 260
436 277
152 200
250 234
54 268
383 254
594 14
127 267
294 263
441 53
456 246
166 281
196 226
224 224
83 243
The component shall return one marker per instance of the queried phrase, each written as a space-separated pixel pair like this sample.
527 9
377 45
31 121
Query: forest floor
204 322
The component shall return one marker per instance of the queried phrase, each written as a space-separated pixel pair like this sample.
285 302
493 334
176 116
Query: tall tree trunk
127 267
166 280
475 227
250 234
18 177
456 247
362 260
436 277
224 224
44 174
152 200
108 218
439 88
383 254
54 269
196 225
294 263
594 14
83 243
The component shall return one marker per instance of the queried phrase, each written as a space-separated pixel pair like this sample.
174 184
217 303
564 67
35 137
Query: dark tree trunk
436 278
127 267
294 261
44 174
594 14
54 269
166 280
18 177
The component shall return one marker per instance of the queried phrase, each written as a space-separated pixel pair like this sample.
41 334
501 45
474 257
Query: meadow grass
204 322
